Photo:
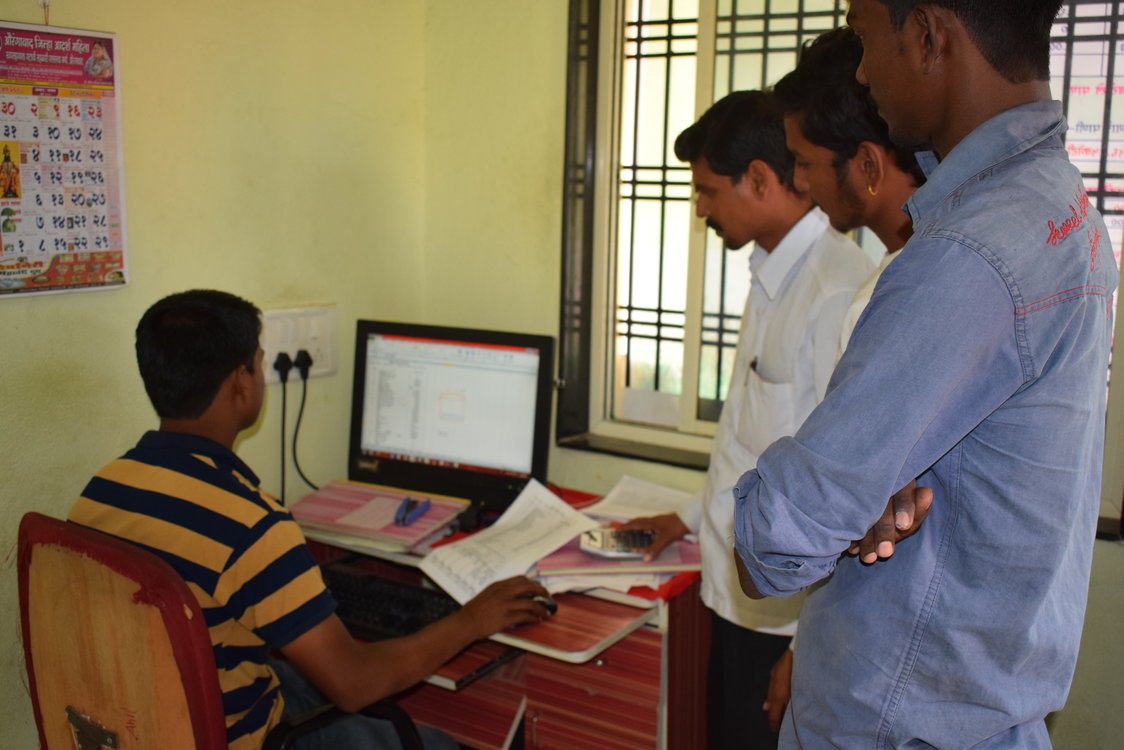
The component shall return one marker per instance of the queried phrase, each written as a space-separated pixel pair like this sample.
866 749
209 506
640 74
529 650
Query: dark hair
835 110
737 129
188 343
1012 35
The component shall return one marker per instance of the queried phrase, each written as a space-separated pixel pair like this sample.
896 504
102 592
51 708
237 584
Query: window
651 300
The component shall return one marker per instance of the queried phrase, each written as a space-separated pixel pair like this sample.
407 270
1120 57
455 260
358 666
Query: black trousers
737 685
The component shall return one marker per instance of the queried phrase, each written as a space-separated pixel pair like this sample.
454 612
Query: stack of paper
539 533
570 560
633 498
570 569
536 524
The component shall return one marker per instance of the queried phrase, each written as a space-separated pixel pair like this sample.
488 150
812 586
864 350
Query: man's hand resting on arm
902 518
904 514
353 674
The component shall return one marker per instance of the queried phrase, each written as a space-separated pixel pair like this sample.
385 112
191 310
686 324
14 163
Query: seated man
183 494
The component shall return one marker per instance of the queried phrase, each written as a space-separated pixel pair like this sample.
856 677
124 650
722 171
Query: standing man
967 637
183 494
845 160
804 275
846 163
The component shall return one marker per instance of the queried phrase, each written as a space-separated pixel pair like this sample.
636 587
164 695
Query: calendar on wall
62 207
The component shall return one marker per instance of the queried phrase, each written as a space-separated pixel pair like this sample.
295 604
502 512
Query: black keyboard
374 608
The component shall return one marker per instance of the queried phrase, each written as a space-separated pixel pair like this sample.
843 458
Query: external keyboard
374 608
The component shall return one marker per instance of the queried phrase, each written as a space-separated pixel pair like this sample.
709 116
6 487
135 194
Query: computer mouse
546 603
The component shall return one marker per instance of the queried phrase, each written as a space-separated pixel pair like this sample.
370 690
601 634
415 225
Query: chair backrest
115 643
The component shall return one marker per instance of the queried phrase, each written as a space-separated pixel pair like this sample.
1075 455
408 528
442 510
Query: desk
644 690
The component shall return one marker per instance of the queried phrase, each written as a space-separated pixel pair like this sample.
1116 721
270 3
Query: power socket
290 330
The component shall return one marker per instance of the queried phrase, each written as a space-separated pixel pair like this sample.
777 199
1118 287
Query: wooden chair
118 654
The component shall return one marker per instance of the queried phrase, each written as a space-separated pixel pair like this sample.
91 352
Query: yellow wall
401 159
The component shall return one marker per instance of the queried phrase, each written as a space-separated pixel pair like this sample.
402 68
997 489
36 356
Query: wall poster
62 193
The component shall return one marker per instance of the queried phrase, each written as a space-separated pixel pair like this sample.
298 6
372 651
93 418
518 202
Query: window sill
588 441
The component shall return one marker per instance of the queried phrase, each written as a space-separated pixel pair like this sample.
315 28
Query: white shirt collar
770 269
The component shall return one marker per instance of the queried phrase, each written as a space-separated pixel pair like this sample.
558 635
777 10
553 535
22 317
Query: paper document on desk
621 583
633 498
536 524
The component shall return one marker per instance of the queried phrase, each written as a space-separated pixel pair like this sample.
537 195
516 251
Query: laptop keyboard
374 608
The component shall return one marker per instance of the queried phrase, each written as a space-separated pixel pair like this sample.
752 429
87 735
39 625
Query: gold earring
871 190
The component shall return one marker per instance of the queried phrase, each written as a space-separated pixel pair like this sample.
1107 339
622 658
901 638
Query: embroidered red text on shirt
1077 215
1094 246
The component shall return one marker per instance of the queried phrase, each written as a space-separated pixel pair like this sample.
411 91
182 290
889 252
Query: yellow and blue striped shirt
198 506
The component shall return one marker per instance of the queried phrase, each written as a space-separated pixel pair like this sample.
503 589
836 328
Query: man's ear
761 178
871 160
241 382
933 26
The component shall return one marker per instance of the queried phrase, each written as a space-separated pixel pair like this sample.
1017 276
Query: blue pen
410 510
404 507
416 512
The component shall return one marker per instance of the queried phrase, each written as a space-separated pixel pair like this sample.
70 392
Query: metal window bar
761 29
1083 26
720 327
648 37
766 29
575 345
1068 42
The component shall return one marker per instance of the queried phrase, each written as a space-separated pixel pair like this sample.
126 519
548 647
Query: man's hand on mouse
504 604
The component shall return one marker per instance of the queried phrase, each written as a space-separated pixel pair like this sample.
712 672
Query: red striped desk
599 675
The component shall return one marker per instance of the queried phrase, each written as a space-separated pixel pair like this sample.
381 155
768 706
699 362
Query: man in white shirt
804 275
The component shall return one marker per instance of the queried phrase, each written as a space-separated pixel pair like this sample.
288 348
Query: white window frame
688 433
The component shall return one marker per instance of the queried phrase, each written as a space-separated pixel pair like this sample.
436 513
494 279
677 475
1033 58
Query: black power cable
303 363
282 364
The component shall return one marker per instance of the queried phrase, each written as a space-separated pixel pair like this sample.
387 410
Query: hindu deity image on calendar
9 172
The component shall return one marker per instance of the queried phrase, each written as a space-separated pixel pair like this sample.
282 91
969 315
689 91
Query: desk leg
647 691
686 649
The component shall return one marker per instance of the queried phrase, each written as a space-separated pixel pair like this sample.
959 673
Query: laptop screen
450 411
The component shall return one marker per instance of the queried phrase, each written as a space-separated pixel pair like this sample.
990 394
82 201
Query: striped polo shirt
198 506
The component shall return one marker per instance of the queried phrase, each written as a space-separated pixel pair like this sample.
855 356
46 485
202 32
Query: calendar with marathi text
62 210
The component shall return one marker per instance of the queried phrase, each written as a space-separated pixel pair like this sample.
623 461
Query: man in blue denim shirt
979 367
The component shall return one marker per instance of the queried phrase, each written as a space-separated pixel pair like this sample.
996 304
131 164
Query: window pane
653 219
756 42
753 50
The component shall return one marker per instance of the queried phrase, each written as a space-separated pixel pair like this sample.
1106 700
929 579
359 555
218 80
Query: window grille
660 337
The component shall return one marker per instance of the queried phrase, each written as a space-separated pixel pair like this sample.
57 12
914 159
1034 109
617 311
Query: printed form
536 524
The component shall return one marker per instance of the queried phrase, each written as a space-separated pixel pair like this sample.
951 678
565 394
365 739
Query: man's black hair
835 110
1012 35
737 129
187 345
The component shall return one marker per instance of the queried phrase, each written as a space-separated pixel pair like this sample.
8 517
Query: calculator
608 542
